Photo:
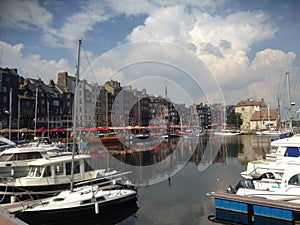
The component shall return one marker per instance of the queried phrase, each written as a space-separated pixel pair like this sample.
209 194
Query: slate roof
250 102
263 115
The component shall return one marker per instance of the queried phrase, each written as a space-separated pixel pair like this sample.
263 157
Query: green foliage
234 119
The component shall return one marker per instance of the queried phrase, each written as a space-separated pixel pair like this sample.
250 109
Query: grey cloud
225 44
210 49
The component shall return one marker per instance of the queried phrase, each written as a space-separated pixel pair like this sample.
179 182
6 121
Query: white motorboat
286 147
193 135
283 151
47 177
268 186
14 161
227 132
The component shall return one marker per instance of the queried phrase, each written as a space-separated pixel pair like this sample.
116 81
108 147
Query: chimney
51 83
62 79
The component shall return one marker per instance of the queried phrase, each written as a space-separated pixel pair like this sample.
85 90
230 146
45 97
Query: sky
203 51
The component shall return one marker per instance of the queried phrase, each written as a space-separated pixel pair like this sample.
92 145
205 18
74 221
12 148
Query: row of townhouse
31 103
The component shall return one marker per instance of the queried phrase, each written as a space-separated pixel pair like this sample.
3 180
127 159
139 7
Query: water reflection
155 161
180 197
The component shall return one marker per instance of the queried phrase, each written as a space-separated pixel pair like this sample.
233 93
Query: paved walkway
7 219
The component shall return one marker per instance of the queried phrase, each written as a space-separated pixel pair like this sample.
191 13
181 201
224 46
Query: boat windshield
295 180
5 157
35 171
20 156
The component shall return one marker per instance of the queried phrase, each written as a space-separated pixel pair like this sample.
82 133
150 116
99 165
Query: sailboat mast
35 111
289 100
278 115
75 115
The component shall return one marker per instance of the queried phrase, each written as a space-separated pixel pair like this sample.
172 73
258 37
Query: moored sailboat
78 203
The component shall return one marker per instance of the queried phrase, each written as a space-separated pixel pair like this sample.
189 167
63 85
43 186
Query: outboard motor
247 183
231 190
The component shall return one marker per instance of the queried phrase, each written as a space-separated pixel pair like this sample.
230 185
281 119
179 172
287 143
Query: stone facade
246 109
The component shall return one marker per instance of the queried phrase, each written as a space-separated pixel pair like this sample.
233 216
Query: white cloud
29 14
272 59
170 24
33 65
24 14
77 26
223 44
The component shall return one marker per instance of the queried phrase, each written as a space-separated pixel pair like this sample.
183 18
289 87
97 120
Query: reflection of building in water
254 147
245 148
149 161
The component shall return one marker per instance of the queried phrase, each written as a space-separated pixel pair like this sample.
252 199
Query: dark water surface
198 167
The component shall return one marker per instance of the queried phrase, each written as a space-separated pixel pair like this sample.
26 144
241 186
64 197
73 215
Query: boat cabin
59 167
29 153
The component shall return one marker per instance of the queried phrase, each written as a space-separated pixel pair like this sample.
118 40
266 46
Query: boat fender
96 208
12 199
12 172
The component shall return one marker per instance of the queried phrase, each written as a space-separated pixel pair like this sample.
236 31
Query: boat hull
80 213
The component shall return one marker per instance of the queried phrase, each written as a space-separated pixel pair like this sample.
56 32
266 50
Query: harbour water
176 177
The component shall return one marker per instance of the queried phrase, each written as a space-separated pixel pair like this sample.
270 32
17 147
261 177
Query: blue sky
246 45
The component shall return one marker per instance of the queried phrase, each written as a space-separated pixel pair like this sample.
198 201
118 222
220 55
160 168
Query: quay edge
250 210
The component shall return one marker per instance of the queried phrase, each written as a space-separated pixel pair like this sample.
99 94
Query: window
56 103
69 167
31 171
59 169
87 167
26 156
35 171
47 172
295 180
5 157
39 171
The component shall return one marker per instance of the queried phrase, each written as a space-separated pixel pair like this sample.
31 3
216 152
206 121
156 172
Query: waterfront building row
24 100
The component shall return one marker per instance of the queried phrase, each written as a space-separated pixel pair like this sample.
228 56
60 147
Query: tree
234 119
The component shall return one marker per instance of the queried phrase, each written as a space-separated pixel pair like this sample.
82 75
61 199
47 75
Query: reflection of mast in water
169 172
224 153
211 151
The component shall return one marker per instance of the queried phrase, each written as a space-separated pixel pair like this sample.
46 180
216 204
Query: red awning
41 129
91 128
104 128
58 129
153 127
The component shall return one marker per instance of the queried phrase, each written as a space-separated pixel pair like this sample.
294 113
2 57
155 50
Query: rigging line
89 63
279 86
295 90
